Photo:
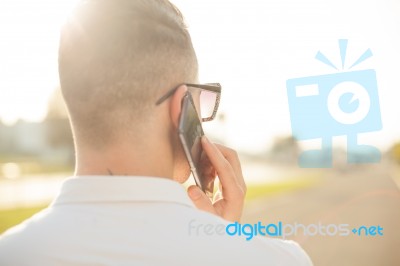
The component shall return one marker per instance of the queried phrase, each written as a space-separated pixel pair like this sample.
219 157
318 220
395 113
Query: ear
176 104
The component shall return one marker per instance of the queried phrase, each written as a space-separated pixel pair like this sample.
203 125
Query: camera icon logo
325 106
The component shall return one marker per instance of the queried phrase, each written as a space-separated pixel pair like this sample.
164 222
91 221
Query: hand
229 199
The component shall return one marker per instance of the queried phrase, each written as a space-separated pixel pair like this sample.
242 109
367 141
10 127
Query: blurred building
50 140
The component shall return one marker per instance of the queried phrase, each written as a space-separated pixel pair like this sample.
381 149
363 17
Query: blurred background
251 47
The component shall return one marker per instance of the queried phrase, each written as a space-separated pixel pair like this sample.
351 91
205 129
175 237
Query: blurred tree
395 152
285 150
56 107
58 129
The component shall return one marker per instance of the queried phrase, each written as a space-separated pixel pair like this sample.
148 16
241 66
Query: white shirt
100 220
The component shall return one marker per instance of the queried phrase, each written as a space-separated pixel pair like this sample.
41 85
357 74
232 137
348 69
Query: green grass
262 190
11 217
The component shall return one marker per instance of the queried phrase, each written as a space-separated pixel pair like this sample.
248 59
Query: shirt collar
91 189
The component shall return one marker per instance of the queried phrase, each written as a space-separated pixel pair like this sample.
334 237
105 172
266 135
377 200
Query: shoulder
207 234
22 241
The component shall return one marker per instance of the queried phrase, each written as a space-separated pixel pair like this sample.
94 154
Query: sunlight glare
29 33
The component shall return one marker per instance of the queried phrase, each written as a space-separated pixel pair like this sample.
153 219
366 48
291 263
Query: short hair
116 57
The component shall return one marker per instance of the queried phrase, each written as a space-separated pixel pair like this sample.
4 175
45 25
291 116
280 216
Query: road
29 191
362 196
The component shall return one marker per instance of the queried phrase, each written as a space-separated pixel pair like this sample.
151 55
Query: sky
29 32
251 47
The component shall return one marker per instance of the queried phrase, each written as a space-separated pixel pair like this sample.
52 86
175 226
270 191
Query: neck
137 159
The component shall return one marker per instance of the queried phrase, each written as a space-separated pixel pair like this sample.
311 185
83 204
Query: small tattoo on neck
109 172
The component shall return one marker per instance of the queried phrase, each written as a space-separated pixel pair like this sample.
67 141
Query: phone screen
190 133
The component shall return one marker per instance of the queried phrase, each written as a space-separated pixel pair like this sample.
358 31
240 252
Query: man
119 61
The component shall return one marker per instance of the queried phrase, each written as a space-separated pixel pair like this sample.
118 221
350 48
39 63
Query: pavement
30 191
358 196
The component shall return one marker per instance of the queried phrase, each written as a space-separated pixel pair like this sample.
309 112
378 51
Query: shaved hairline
115 58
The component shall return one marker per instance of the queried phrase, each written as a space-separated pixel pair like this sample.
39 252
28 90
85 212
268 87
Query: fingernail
205 139
195 193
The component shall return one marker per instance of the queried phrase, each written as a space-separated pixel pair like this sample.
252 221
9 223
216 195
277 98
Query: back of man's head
115 58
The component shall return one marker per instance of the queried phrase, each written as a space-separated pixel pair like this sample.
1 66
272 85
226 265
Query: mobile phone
190 133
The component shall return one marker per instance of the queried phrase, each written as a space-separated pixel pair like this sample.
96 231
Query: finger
232 157
200 200
232 189
206 170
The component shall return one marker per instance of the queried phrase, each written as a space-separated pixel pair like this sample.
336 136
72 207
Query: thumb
200 200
